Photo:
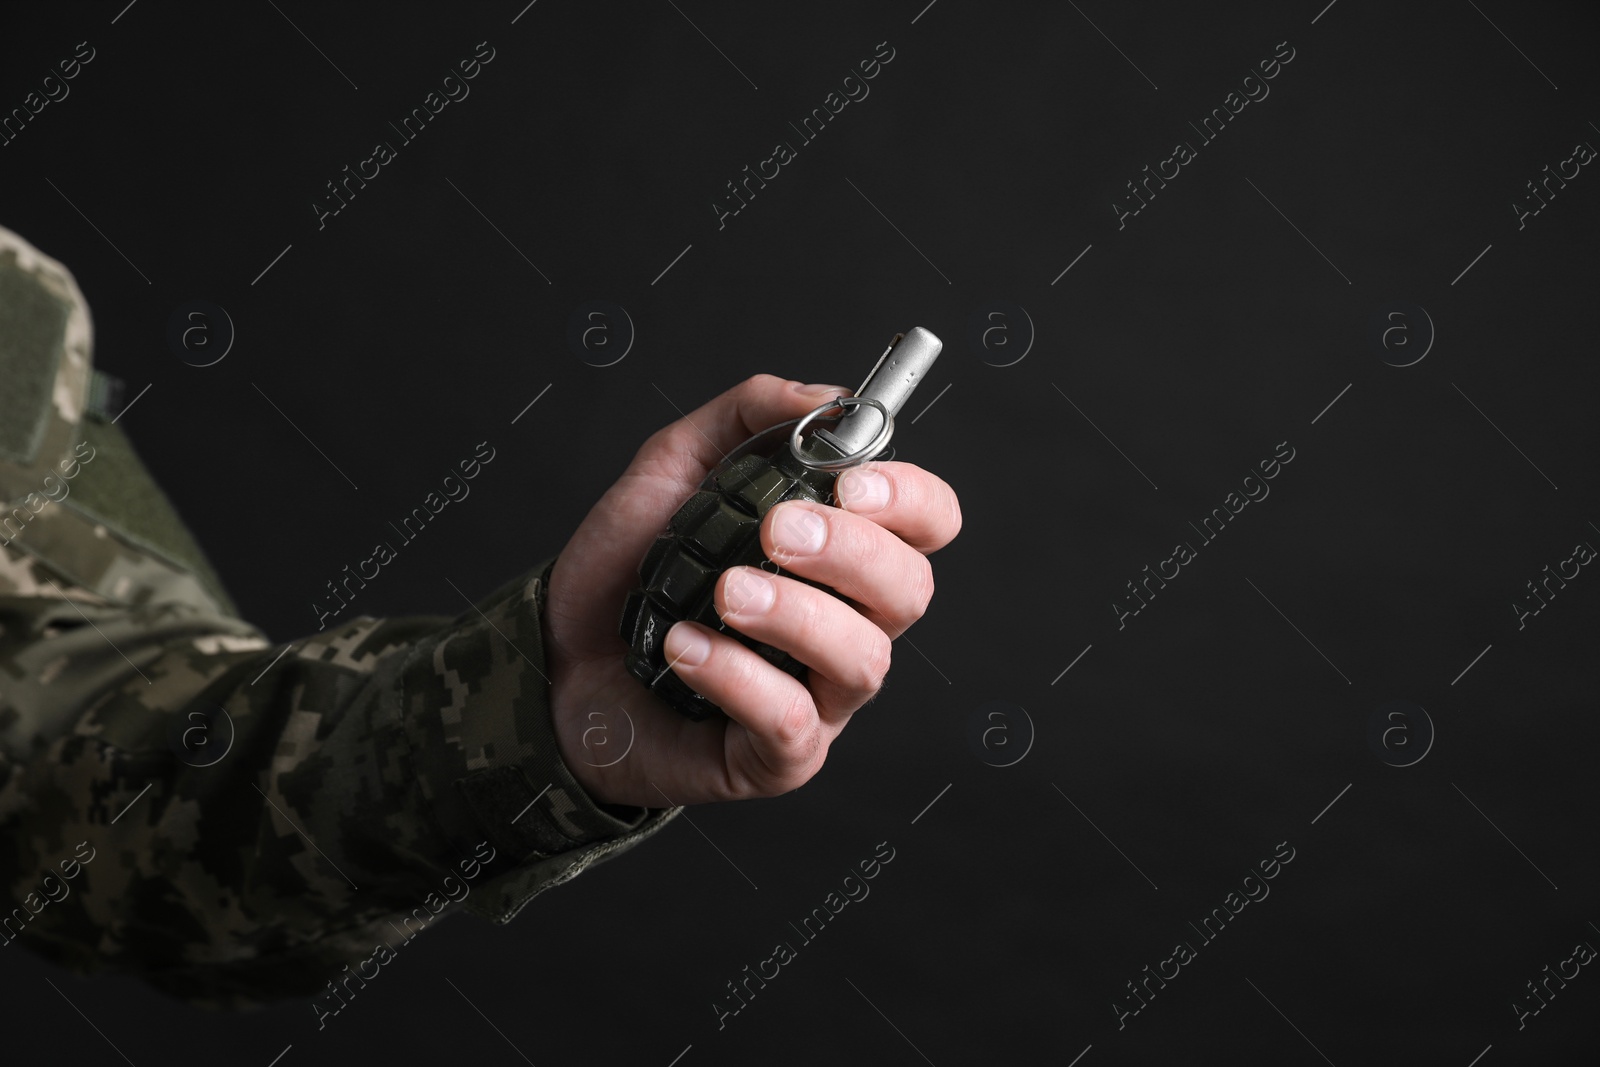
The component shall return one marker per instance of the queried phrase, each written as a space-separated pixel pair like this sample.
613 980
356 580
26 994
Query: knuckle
873 667
750 781
920 590
732 784
802 769
656 442
801 757
768 782
672 440
759 383
935 499
679 436
953 517
794 728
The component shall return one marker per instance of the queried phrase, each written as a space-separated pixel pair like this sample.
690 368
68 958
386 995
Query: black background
1219 722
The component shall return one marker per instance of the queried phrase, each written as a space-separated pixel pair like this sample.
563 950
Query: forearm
365 767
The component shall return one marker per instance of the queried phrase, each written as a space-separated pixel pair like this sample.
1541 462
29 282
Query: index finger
903 498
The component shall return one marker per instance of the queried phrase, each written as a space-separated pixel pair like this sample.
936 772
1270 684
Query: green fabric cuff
476 704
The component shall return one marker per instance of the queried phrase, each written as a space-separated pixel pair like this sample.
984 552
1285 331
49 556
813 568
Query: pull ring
872 448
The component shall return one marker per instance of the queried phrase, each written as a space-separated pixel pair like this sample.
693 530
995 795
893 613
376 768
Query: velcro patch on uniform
33 324
502 801
105 396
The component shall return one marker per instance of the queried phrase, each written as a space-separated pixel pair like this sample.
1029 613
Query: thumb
699 441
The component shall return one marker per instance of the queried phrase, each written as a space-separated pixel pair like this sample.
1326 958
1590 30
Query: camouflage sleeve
237 821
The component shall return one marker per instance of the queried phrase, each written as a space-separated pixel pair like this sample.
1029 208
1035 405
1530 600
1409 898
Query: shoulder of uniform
46 338
113 531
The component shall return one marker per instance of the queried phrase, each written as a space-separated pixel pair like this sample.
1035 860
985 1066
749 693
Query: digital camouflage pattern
363 767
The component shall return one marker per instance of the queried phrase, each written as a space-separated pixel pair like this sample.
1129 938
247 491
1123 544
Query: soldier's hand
872 551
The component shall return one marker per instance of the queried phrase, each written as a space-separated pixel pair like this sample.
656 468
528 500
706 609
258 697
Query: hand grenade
719 526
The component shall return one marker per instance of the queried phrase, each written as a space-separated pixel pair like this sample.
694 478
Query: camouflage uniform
367 765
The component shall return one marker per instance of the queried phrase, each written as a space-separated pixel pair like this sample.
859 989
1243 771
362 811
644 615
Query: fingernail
821 390
687 646
797 530
863 491
748 592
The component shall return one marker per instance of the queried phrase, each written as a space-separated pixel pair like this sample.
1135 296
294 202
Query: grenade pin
864 431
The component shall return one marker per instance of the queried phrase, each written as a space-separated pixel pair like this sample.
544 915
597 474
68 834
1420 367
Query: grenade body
720 526
717 528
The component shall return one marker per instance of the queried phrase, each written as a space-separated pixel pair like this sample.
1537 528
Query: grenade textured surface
717 528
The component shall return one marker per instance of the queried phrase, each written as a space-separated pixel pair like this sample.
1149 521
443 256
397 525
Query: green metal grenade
719 527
